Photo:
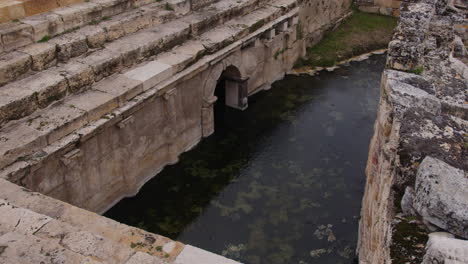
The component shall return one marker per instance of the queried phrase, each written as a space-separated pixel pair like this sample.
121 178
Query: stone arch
214 74
229 71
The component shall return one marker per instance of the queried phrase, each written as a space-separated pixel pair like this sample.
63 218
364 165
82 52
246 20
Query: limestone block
58 121
95 103
407 202
43 55
46 24
88 244
10 10
178 61
79 76
195 49
16 35
441 193
70 16
443 248
369 9
13 65
113 29
15 103
192 254
103 62
19 141
174 33
56 24
95 36
48 86
121 87
129 52
28 249
20 220
149 43
89 11
32 7
150 74
113 7
131 23
143 258
407 95
70 45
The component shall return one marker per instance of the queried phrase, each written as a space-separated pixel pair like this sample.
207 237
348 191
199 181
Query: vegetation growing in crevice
409 239
360 33
417 70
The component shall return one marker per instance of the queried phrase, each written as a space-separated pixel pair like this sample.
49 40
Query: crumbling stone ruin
98 96
415 208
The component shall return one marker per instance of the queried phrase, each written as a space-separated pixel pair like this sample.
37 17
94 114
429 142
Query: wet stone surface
281 182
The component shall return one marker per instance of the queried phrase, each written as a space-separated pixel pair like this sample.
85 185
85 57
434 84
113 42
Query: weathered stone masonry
90 115
417 165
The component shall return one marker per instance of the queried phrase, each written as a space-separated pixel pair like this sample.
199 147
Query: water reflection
278 183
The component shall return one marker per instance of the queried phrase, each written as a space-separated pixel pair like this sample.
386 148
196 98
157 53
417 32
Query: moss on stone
257 25
409 239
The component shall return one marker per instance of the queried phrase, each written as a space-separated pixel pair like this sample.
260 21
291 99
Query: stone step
78 230
22 97
40 56
44 127
31 29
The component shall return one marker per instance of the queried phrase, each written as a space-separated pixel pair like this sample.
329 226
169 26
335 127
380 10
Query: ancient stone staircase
51 89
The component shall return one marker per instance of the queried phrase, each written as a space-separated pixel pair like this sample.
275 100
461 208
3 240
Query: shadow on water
278 183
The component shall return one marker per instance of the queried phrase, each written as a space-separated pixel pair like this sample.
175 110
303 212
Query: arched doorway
231 89
229 93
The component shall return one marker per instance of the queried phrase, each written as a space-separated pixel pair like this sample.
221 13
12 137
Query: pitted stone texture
13 65
441 196
43 55
407 202
143 258
27 249
441 248
406 95
20 220
425 134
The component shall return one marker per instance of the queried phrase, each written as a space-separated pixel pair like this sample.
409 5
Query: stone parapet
417 165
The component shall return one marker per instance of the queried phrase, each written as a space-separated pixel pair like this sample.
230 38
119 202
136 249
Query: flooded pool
279 183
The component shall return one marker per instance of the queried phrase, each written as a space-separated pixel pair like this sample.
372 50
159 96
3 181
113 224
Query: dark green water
276 182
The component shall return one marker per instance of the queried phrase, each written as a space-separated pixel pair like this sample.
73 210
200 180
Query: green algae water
278 183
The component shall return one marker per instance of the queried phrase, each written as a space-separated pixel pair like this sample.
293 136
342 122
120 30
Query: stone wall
420 134
383 7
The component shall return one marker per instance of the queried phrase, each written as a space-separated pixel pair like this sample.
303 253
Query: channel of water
278 183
